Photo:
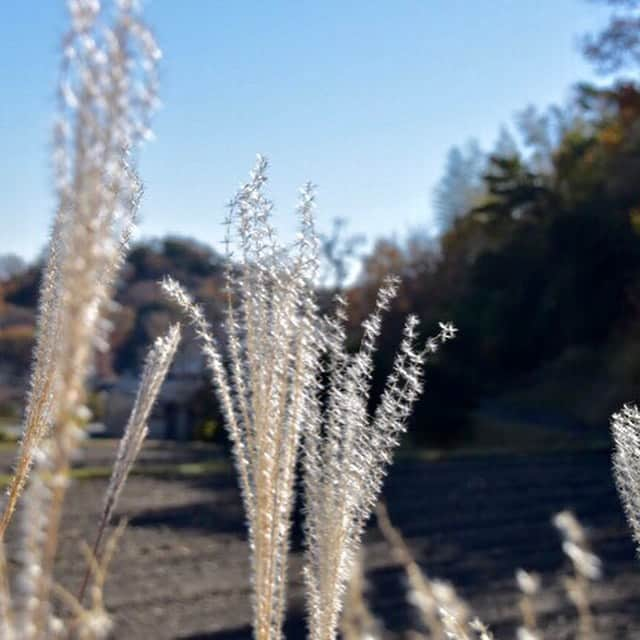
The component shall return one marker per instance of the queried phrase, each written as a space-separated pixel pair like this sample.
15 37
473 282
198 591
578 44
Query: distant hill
142 312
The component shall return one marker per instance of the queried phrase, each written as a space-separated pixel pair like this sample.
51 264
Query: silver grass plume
625 426
106 94
442 612
587 567
267 379
529 586
347 452
265 376
156 367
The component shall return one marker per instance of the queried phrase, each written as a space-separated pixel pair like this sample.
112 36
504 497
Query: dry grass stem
529 586
587 567
444 615
357 621
156 367
266 388
106 93
347 452
267 378
625 427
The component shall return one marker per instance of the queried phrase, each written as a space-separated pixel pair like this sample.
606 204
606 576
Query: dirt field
182 571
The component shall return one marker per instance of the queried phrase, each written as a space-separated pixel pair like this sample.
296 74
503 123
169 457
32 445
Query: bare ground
182 570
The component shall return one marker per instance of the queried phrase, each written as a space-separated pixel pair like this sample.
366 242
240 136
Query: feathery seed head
268 377
625 427
528 582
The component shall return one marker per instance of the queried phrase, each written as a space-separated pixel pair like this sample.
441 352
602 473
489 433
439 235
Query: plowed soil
182 571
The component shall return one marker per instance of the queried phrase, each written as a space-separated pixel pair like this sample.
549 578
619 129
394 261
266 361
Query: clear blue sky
364 98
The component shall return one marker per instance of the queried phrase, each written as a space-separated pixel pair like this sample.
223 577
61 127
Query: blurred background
488 153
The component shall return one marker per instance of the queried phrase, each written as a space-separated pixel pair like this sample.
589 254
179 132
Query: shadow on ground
294 629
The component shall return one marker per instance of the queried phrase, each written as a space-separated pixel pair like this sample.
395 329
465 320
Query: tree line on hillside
537 263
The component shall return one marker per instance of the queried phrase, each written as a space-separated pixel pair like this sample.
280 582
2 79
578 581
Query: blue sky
364 98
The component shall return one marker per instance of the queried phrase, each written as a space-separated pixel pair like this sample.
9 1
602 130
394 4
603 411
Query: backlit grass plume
347 451
106 94
156 367
268 375
444 615
587 567
529 587
266 388
625 426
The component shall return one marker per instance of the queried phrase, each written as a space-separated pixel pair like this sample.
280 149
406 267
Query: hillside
141 313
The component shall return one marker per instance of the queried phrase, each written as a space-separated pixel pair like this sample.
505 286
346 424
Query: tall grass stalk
529 586
156 367
266 390
444 615
106 94
268 379
625 427
587 567
347 452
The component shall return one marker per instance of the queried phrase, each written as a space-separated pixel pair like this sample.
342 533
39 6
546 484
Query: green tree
461 187
618 45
